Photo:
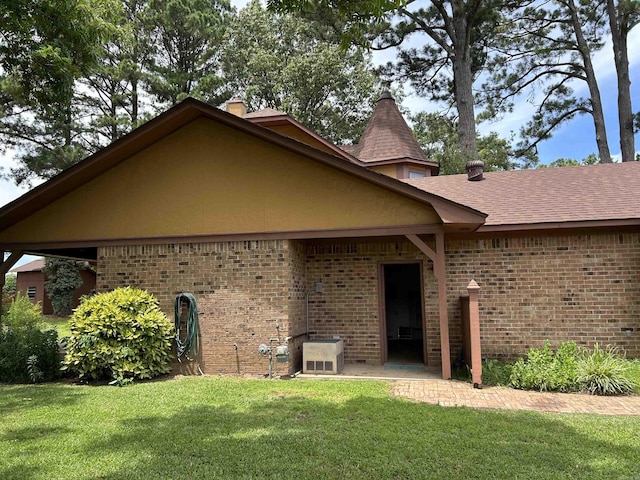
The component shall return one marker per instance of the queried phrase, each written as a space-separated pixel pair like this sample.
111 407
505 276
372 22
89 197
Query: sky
576 139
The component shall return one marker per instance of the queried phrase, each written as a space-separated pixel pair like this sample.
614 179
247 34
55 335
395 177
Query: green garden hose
189 346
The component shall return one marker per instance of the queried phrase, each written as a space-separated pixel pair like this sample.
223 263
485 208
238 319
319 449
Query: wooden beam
4 268
9 262
423 247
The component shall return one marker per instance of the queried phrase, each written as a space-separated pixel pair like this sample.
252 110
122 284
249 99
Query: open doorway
402 311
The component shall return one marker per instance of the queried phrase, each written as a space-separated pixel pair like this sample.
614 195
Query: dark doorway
403 313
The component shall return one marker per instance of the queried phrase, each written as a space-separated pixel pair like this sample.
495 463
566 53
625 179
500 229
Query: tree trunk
594 91
114 112
619 33
134 103
463 85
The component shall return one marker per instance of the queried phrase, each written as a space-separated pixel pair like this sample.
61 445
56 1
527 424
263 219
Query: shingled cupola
388 145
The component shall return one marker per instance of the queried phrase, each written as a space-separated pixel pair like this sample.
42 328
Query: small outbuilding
30 281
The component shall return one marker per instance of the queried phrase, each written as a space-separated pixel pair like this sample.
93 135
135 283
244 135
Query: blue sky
576 139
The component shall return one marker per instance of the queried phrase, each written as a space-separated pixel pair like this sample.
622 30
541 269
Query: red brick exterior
575 287
37 279
349 305
584 288
243 289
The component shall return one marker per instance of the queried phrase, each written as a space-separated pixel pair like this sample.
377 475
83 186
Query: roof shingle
544 196
387 136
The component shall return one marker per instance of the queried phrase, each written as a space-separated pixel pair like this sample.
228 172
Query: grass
204 427
61 324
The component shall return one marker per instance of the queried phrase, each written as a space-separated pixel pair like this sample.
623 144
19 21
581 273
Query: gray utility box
324 356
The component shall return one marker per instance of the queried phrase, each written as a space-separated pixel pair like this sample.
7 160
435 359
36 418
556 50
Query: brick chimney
475 169
236 106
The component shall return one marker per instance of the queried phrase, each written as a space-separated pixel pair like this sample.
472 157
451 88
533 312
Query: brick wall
349 305
584 288
297 302
242 290
576 287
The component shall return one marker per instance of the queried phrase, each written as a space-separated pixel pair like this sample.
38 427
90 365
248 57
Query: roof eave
577 224
287 120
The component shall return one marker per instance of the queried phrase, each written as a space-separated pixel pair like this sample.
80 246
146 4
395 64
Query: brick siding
575 287
242 290
349 305
584 288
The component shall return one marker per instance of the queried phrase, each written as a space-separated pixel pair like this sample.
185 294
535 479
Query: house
283 237
30 279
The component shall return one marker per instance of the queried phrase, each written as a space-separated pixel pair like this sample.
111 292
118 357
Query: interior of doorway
403 309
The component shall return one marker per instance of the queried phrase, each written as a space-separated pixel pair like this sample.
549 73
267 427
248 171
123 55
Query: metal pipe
307 312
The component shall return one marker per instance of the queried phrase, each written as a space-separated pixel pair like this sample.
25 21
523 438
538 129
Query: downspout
307 312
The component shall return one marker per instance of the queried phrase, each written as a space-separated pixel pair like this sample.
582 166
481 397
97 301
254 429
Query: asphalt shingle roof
33 266
551 195
387 136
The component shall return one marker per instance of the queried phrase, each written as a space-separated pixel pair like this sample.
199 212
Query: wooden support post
5 265
474 330
442 307
437 258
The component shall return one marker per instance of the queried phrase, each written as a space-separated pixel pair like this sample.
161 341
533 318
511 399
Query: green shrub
605 372
28 355
22 314
545 370
495 373
121 335
634 374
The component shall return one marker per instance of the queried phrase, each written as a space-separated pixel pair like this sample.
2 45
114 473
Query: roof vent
475 169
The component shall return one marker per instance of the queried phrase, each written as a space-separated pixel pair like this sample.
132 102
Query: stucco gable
196 170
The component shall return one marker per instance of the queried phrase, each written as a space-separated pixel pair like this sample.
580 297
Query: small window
31 293
414 174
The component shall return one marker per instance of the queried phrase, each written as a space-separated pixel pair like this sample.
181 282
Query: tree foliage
437 135
46 45
187 38
550 49
63 278
10 283
298 66
591 159
547 54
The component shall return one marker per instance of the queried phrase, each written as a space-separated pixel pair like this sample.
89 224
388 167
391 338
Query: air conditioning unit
324 356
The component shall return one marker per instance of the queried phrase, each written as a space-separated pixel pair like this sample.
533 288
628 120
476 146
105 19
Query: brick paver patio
455 393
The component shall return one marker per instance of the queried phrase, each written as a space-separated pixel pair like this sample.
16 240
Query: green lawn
195 427
61 324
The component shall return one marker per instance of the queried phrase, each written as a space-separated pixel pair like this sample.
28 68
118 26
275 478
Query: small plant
545 370
605 372
28 355
22 314
495 373
634 374
121 334
35 374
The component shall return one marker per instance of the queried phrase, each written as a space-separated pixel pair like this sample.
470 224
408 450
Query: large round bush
121 334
